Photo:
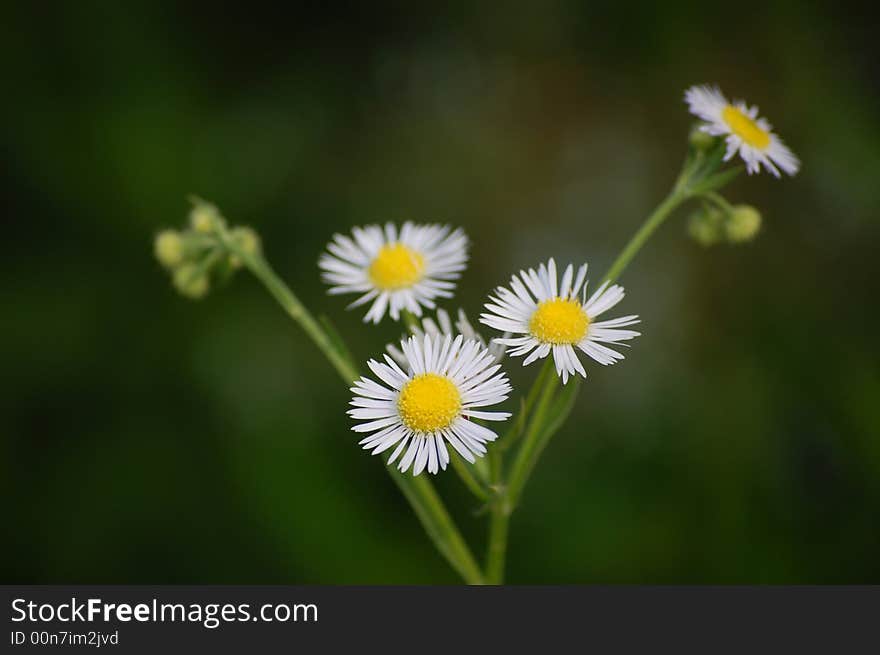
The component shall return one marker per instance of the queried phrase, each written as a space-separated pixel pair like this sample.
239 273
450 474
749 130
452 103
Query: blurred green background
151 439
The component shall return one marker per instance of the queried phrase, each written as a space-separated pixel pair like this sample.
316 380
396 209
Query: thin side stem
467 477
719 200
655 220
439 525
515 431
697 167
295 309
559 411
524 461
411 320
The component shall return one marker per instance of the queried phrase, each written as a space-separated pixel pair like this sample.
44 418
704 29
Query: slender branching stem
537 422
418 490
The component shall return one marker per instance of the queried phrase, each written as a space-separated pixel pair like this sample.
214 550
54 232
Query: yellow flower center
745 128
396 267
429 402
559 321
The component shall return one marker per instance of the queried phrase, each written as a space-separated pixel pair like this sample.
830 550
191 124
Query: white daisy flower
554 319
745 132
397 271
430 402
443 326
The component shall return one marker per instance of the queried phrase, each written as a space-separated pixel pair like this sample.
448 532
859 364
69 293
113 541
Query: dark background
146 438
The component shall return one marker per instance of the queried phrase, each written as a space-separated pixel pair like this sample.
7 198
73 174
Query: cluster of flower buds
711 224
205 253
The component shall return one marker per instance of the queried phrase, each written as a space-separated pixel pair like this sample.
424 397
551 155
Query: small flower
397 271
443 326
168 248
744 132
553 318
430 402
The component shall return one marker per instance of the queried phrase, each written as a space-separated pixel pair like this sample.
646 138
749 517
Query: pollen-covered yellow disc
429 402
745 128
559 321
396 267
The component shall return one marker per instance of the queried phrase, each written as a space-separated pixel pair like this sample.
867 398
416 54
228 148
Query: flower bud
191 281
699 139
246 239
742 224
706 226
204 218
168 248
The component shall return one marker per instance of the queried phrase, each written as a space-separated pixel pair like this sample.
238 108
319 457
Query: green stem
294 308
507 495
516 430
499 518
496 553
696 169
500 507
411 320
419 491
530 448
655 220
439 525
464 472
556 417
719 200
